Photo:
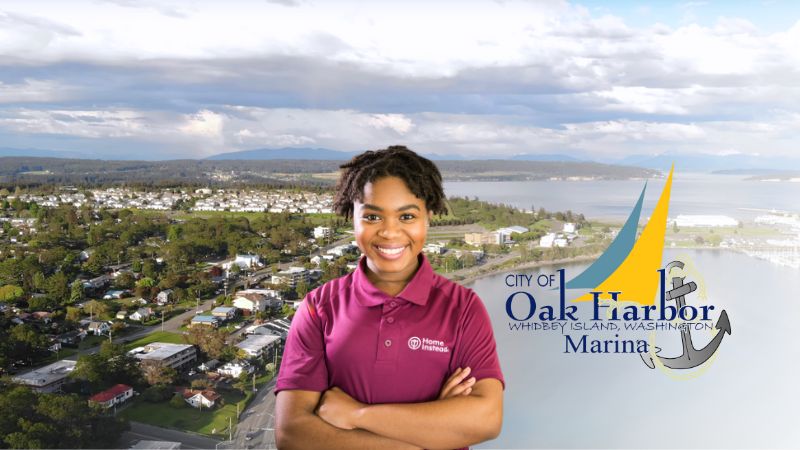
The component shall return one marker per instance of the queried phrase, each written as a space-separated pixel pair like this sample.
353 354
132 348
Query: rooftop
47 374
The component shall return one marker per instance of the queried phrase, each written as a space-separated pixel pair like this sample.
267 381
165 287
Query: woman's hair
420 175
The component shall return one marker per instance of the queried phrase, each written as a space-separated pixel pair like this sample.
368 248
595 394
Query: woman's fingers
463 388
455 385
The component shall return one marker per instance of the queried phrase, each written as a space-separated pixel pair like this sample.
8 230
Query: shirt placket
389 334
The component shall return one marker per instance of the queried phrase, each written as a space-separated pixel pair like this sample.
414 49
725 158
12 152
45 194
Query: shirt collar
416 291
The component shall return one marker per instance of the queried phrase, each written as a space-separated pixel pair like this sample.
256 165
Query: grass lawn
212 422
158 336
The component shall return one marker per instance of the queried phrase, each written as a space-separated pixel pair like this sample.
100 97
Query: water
747 397
692 193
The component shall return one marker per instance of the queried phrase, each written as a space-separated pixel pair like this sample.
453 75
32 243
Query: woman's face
390 228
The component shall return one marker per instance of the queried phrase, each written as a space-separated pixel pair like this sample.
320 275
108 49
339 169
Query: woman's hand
457 384
338 409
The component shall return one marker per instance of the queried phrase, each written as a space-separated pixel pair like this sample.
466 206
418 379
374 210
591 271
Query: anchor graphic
691 357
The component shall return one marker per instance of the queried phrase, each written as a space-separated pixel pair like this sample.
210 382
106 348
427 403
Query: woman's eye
371 217
407 217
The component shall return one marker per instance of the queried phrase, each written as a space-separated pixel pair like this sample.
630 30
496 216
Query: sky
602 80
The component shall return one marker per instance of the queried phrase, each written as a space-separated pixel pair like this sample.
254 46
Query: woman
391 355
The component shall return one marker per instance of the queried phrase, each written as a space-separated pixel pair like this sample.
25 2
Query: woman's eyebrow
402 208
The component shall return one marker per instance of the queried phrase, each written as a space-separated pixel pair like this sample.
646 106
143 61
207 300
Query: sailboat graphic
627 262
629 267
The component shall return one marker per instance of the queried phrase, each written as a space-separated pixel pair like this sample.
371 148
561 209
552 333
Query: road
257 422
172 325
144 432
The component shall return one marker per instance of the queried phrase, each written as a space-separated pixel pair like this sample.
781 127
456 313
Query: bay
746 397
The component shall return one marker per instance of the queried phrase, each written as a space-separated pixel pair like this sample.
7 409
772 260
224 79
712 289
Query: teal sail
616 253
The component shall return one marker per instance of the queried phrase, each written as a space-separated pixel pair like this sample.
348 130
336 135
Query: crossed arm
467 412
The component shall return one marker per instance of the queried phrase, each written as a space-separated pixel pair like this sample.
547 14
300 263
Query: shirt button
387 342
390 319
393 304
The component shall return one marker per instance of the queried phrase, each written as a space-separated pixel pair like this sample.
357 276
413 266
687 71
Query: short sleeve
303 364
476 347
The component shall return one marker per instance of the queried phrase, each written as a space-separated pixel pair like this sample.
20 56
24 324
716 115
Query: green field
212 422
158 336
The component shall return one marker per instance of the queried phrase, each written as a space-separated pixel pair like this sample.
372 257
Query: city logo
428 345
623 285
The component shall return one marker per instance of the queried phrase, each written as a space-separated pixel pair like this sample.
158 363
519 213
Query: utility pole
230 428
162 320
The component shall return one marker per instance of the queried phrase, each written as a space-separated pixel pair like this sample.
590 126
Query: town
170 307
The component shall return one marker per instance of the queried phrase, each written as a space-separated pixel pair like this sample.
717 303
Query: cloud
35 91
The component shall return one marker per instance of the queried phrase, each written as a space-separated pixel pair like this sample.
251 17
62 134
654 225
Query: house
245 262
112 396
569 227
141 314
43 316
208 365
235 368
200 398
97 283
319 258
47 379
166 354
292 276
322 232
254 300
121 315
164 297
205 320
97 328
258 345
224 312
115 294
434 248
72 338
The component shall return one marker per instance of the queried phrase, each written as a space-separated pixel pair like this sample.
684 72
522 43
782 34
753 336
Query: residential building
224 312
141 314
322 233
205 320
112 396
292 276
170 355
254 300
164 297
200 398
47 379
99 328
235 369
245 262
258 345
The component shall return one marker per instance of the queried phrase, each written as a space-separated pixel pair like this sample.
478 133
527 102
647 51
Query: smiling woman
391 355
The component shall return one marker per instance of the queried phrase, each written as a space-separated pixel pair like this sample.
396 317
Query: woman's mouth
390 252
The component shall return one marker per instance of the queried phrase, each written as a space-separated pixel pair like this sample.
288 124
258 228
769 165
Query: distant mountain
38 153
701 162
285 153
544 157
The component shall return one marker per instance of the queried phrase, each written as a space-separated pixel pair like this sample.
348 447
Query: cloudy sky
155 79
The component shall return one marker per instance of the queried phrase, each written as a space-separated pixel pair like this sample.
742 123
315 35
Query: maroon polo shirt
384 349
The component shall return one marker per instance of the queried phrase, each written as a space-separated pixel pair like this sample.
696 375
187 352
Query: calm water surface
692 193
747 397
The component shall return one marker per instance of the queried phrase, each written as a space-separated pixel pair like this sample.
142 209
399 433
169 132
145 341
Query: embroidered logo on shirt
428 345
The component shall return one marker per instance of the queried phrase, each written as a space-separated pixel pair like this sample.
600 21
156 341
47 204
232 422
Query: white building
48 378
245 262
258 344
254 300
170 355
322 232
235 368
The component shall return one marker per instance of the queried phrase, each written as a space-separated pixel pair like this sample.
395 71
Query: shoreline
533 264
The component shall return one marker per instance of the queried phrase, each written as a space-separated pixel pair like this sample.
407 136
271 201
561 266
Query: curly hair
420 175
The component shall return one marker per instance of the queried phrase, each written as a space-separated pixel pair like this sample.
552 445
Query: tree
159 374
76 294
10 293
73 314
96 309
29 420
177 401
211 341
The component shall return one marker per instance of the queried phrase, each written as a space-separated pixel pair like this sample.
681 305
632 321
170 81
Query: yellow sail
637 277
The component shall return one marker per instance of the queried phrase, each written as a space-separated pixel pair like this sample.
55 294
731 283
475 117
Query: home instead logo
623 285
